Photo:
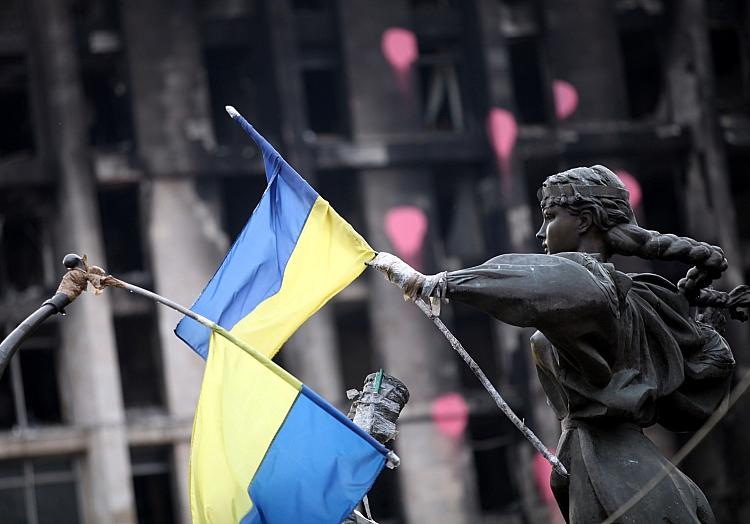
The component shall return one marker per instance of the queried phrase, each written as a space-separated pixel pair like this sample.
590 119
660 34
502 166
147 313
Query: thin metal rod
213 326
504 407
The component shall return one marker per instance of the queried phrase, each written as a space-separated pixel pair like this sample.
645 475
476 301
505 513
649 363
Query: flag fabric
292 256
265 448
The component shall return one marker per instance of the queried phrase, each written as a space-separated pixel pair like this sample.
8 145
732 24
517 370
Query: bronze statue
614 353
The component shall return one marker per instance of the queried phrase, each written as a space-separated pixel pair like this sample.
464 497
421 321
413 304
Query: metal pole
56 304
13 341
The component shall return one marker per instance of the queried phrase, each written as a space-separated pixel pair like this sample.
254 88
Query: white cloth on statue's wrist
430 288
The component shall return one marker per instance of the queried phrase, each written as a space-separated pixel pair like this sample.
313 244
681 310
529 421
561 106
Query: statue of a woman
614 353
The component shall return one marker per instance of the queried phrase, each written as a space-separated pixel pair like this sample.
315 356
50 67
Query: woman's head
595 189
579 206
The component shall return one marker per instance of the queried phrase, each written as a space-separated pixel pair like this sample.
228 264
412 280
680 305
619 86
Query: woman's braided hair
598 190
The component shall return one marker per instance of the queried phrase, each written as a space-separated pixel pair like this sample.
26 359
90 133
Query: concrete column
583 48
436 473
174 133
186 247
169 85
90 375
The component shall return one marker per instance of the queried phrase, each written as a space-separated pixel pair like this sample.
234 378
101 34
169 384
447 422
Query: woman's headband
575 192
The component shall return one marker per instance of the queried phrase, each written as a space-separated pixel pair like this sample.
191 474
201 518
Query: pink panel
502 132
542 472
400 49
566 98
406 227
451 414
633 187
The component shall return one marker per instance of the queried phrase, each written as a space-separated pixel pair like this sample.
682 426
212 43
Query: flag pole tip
232 111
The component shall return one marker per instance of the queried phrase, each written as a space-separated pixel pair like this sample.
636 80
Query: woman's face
559 232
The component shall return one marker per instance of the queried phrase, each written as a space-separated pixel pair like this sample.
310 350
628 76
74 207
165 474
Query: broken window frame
318 42
440 29
29 480
18 389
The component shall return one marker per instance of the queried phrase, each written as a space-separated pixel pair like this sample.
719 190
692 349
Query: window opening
29 390
317 39
731 66
16 133
324 100
475 331
311 5
529 85
342 190
121 227
39 491
104 76
21 241
492 446
153 485
238 67
439 26
354 335
642 60
239 196
38 373
442 95
139 356
460 218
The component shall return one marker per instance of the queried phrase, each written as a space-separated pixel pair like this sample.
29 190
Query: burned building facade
114 142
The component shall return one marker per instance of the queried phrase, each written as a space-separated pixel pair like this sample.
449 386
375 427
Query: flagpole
99 280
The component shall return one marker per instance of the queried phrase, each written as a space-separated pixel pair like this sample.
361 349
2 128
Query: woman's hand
414 285
400 273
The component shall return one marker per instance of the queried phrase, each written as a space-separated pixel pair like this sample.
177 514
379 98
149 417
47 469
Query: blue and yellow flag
265 448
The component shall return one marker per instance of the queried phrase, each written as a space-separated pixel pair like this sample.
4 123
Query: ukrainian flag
265 448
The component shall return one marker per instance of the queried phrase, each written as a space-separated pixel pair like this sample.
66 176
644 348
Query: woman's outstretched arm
548 292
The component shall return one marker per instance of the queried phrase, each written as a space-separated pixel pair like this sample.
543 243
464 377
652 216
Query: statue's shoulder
615 284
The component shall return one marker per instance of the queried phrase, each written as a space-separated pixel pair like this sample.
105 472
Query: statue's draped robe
614 353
